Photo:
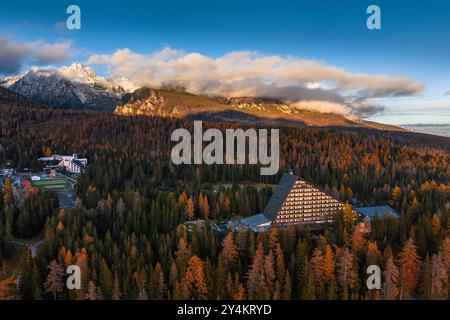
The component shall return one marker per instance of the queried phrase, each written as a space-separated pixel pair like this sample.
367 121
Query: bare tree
54 283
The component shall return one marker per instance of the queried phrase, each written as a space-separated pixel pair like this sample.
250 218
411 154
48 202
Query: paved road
67 196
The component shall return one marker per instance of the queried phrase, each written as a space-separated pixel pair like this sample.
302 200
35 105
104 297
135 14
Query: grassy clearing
49 183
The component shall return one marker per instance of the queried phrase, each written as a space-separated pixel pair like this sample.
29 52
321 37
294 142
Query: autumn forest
126 230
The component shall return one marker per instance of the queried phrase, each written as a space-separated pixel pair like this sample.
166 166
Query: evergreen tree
29 283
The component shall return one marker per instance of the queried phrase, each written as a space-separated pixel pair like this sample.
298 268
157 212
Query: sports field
58 183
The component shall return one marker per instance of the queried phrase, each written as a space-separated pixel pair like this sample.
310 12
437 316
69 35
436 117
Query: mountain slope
48 88
379 126
67 88
79 87
174 103
8 97
9 81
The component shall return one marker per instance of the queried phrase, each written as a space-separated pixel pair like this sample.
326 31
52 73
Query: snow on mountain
85 76
127 85
74 86
9 81
78 86
47 87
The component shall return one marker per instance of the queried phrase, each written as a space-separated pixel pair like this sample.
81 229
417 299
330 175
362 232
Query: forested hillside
125 231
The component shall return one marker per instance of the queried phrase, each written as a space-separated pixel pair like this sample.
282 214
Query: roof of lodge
78 163
257 223
254 220
47 158
277 199
382 211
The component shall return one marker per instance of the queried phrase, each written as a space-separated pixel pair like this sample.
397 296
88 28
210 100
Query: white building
71 164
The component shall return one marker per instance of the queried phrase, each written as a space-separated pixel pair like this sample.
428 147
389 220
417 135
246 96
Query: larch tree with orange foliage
357 241
349 216
329 264
239 293
445 251
280 268
439 278
316 267
194 281
346 274
395 196
7 289
190 209
409 262
68 258
206 209
390 285
256 283
329 269
182 257
229 252
269 274
182 199
7 192
81 260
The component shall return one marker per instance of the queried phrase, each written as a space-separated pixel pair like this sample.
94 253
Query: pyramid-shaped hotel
298 202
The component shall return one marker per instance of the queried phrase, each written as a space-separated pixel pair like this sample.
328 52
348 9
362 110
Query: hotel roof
79 163
382 211
277 199
254 220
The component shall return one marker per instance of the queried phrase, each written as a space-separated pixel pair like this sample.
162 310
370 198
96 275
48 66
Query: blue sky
414 41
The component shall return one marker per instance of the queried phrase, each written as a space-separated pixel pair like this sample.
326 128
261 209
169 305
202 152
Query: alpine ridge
181 104
72 87
79 87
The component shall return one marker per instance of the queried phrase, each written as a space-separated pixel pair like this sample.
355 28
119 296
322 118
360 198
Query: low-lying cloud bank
310 84
14 55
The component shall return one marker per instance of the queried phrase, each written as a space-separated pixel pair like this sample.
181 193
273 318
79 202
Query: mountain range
79 87
73 87
168 102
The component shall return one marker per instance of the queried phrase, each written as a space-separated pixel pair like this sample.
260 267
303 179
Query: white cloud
244 73
323 107
50 53
13 55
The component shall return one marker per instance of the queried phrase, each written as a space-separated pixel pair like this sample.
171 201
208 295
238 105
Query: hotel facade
294 202
307 204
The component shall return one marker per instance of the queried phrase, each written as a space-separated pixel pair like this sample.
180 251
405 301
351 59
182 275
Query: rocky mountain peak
74 86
